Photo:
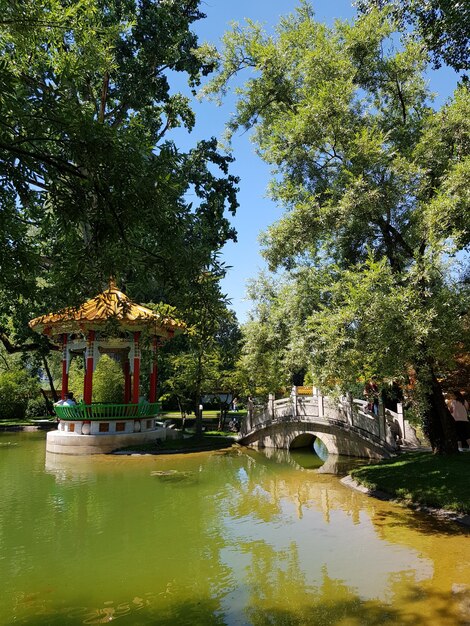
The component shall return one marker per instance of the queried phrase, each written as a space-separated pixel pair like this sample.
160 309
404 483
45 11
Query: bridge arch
303 440
336 438
343 425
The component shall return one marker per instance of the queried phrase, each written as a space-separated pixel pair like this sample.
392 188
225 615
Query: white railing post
321 408
271 406
349 409
401 420
381 418
294 401
249 414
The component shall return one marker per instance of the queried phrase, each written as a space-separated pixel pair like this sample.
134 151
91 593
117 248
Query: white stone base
60 442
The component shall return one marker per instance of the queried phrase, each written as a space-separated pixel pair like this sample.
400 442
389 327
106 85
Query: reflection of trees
278 582
427 535
269 481
333 602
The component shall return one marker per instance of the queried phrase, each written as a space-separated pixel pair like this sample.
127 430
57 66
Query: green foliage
92 184
203 360
36 407
108 381
444 26
276 340
76 377
17 389
373 183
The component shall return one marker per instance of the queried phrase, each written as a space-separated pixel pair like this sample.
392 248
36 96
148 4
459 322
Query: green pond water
222 538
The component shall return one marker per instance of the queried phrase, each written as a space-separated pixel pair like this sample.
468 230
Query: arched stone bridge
344 426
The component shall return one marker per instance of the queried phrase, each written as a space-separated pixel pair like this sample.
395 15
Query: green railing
101 410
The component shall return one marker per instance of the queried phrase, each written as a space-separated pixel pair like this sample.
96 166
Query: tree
17 388
443 25
275 341
92 184
372 181
225 377
202 360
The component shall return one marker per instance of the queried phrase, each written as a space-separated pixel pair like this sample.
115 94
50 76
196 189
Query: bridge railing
387 427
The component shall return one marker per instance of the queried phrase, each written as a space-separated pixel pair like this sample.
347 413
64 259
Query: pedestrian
371 393
70 400
460 415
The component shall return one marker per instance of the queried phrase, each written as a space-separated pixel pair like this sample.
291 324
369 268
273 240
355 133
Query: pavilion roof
111 304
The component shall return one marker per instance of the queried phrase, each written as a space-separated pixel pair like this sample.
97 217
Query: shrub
36 407
108 381
17 388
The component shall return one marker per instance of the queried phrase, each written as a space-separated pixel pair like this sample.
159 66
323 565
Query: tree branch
383 224
26 347
104 95
60 165
402 100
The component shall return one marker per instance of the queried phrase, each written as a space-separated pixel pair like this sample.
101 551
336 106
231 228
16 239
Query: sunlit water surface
230 538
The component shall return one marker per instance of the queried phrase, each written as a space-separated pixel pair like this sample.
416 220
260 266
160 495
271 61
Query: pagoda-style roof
110 305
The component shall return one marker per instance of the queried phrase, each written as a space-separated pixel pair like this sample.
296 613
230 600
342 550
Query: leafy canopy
443 25
92 184
372 180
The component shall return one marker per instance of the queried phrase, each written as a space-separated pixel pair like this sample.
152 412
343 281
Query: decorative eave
112 305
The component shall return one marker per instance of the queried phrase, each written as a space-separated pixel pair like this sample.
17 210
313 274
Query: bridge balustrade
346 410
335 410
307 406
367 422
283 408
386 430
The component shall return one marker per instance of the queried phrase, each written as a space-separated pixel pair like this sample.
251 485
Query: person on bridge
460 415
371 392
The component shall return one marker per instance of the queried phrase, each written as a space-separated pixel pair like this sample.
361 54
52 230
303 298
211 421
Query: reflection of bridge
343 425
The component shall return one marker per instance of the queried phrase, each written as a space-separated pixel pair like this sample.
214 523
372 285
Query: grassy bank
422 478
25 422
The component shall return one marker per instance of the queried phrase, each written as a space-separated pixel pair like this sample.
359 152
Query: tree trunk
198 414
182 413
438 423
49 405
50 379
222 416
197 398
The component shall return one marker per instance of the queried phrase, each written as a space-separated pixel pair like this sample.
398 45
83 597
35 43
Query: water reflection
317 459
239 538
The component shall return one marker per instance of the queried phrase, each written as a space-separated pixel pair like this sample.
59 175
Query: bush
108 381
36 408
17 388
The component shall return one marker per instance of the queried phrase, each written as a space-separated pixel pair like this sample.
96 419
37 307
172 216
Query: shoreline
171 451
442 514
28 428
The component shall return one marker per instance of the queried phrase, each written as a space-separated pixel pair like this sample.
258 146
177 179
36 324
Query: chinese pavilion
110 323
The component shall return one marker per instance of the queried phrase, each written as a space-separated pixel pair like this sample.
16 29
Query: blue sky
256 211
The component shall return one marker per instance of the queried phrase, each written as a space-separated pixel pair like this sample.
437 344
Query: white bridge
344 425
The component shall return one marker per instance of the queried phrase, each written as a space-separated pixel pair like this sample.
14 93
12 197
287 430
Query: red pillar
88 382
136 381
127 381
154 372
65 374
